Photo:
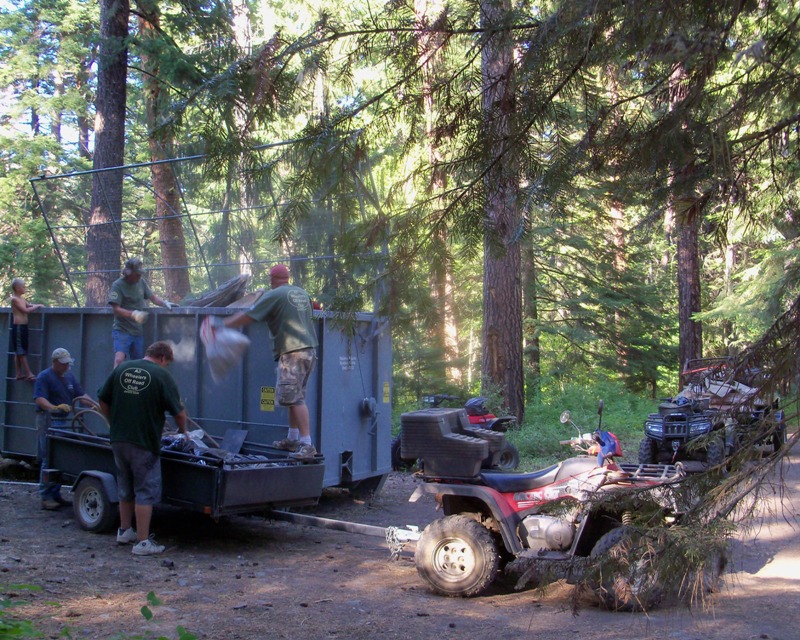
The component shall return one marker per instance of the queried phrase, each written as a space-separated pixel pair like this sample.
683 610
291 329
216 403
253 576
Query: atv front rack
651 472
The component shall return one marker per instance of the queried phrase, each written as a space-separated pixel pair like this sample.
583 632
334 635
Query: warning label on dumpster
268 398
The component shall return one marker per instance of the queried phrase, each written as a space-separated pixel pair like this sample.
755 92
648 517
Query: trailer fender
108 480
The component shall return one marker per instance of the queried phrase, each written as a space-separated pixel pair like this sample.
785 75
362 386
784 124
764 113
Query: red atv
551 517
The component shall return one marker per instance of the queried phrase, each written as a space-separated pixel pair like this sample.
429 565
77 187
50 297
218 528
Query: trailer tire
626 580
457 556
92 507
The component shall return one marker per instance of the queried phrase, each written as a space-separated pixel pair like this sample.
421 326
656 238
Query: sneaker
126 536
286 444
50 505
305 452
147 548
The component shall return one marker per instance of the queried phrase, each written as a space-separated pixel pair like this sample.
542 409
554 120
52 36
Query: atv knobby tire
715 453
625 579
457 556
648 451
399 463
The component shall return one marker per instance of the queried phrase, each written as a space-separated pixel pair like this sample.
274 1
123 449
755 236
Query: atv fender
485 500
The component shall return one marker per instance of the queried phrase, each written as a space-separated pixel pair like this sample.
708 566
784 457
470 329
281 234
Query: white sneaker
126 536
147 548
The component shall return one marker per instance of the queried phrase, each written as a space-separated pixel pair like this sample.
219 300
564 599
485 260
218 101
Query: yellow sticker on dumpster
268 398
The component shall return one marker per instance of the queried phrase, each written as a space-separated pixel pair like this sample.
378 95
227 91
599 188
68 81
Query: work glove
139 316
61 408
169 305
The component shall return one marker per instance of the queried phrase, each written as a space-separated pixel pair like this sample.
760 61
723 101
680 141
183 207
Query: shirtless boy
18 336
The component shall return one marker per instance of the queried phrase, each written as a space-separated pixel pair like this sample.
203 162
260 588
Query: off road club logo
135 380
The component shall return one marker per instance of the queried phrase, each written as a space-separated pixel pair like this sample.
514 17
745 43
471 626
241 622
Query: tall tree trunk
685 209
165 185
103 236
502 288
429 47
531 301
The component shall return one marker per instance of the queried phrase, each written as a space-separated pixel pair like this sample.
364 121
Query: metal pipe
327 523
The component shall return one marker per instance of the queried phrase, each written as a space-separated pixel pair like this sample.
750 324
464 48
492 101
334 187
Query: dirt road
252 578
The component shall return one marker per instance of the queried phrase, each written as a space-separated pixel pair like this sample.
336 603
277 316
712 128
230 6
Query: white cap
62 355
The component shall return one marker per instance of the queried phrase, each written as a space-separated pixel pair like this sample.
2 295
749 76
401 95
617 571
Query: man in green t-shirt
127 299
135 398
287 310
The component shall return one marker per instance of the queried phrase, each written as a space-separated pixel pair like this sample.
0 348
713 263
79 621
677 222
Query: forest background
547 199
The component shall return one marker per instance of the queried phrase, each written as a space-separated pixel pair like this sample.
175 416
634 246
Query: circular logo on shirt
135 379
298 299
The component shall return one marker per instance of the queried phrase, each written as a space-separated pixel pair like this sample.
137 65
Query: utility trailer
348 395
216 483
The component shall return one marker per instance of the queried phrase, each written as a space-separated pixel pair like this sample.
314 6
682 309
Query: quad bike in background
479 417
719 409
552 517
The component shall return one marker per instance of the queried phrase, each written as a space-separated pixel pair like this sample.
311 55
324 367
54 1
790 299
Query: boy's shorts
294 368
18 339
131 346
138 474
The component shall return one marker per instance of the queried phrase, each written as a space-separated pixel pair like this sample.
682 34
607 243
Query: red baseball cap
279 272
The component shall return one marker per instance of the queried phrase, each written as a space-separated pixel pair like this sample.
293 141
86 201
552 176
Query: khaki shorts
294 368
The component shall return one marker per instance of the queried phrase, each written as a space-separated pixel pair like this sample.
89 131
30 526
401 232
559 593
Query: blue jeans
131 346
47 490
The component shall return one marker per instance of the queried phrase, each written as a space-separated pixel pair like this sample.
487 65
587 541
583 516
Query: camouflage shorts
294 368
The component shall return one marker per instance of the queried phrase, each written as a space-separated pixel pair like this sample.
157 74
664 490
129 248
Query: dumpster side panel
349 392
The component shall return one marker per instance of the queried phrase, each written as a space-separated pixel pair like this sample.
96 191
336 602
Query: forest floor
246 577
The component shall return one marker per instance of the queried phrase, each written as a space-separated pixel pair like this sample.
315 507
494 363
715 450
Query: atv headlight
699 429
654 428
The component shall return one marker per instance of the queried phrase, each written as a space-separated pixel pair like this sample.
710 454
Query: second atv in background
718 409
479 417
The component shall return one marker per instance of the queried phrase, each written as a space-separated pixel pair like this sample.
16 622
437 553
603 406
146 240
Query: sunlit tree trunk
502 288
103 236
166 188
430 48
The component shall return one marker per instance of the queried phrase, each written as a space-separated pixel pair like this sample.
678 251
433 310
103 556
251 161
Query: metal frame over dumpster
349 392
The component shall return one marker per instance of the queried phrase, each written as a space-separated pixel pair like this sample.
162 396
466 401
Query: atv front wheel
648 451
457 556
399 463
625 579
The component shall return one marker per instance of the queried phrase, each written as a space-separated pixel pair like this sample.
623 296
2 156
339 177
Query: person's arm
180 421
241 319
105 409
135 314
88 401
45 405
159 301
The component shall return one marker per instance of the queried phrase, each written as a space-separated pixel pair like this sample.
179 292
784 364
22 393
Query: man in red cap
287 311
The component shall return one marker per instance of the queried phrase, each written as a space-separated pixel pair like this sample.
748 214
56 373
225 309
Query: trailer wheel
626 580
508 457
457 556
93 510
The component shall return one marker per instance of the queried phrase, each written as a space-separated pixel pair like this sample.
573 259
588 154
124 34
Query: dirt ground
248 577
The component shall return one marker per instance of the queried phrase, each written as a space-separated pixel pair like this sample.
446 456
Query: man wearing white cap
54 392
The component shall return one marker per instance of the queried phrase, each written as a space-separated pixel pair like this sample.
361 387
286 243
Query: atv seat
510 482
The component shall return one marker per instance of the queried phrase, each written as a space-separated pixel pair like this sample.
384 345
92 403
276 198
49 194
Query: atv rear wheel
399 463
625 580
648 451
457 556
508 458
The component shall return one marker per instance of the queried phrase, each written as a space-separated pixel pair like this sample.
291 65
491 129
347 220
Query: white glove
169 305
139 316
